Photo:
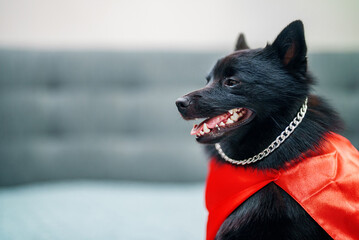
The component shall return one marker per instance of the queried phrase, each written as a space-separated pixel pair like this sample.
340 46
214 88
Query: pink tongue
211 123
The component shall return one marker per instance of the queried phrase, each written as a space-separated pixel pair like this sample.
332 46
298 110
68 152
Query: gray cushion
111 115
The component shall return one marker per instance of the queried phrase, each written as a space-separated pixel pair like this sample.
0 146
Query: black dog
264 90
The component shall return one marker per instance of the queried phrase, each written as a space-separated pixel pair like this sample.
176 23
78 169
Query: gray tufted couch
97 115
111 115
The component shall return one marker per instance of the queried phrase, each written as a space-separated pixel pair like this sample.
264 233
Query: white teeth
235 110
205 128
229 121
235 116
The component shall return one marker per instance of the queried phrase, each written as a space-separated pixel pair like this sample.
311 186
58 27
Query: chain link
274 145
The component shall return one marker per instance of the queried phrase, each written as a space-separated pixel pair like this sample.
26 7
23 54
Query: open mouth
215 127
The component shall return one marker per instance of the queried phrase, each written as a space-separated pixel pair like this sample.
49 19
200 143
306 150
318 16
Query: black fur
270 214
273 82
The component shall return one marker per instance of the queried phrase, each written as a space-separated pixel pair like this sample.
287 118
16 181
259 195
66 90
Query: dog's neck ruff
274 145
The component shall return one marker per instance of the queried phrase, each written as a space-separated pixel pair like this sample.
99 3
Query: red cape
326 186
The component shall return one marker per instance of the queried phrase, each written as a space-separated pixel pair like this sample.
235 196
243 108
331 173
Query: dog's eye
230 82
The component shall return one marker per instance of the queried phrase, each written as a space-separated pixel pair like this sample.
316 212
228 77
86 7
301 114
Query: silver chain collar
274 145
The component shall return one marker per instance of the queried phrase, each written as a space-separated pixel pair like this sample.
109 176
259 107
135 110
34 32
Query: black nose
182 102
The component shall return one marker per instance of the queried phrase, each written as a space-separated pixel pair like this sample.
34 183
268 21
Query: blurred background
91 143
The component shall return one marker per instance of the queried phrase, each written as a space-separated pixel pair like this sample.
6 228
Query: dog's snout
183 102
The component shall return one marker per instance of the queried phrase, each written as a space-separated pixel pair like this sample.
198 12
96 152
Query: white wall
178 24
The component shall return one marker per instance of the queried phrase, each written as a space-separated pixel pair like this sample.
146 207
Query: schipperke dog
273 147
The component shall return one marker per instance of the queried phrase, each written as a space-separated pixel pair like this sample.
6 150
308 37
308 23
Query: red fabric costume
326 186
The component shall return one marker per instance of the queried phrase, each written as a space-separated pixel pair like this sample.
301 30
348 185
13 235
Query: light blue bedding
102 210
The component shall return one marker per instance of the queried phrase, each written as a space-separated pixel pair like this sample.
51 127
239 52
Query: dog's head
248 86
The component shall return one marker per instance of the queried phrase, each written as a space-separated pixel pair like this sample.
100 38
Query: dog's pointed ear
241 43
291 47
